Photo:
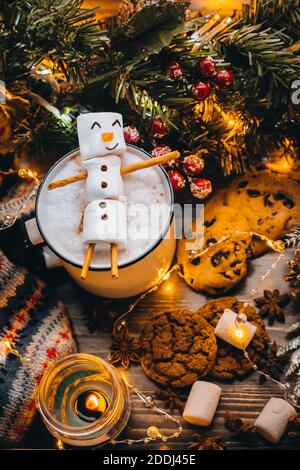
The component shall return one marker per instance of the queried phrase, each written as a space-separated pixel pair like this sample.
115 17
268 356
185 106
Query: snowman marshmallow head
100 134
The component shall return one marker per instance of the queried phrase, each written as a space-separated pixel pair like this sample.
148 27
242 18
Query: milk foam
63 210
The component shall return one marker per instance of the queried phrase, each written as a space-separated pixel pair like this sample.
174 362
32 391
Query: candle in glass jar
84 401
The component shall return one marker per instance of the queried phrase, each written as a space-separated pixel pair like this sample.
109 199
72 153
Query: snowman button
103 168
104 184
102 205
104 217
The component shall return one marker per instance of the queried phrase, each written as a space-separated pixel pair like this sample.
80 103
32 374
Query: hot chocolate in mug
148 256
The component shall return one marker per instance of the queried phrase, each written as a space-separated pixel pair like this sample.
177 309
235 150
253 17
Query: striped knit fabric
36 325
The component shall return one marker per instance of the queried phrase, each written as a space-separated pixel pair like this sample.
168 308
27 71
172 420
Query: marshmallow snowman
100 135
105 222
104 179
101 141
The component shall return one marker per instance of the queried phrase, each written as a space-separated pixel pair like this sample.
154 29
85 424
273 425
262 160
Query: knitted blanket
35 324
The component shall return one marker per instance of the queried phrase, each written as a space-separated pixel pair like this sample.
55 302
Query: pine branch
272 12
293 238
293 330
294 363
263 54
59 31
289 347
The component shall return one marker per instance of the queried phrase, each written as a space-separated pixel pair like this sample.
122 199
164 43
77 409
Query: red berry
131 135
177 179
160 150
174 71
201 188
158 128
206 67
201 91
193 164
224 79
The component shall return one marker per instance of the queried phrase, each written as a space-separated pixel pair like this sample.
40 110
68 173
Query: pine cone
293 277
128 8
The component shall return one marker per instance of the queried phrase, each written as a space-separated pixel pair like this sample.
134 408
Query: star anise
270 305
272 365
171 400
244 432
100 314
125 348
207 443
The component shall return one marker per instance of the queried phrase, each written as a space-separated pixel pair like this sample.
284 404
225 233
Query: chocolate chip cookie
179 348
220 268
230 362
269 201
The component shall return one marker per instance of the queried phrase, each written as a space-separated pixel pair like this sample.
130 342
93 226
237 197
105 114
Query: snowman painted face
100 134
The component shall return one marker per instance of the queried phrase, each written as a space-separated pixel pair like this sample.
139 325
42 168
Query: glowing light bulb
25 173
239 333
153 432
277 245
7 345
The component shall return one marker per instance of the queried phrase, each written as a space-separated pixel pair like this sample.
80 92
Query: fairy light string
10 218
153 432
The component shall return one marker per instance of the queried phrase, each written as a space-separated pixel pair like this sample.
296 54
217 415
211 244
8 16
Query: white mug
136 276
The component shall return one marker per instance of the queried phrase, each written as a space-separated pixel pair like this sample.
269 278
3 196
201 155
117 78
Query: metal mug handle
20 241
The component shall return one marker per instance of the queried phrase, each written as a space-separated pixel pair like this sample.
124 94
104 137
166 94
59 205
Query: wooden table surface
245 397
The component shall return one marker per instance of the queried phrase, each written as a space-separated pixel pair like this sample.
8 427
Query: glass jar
84 401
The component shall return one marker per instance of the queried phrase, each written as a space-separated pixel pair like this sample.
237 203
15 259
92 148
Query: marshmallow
202 403
105 222
274 418
104 179
100 134
240 335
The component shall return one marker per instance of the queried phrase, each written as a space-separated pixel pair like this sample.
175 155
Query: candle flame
95 402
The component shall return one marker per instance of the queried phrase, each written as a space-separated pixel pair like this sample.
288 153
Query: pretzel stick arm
149 163
124 171
64 182
114 260
87 261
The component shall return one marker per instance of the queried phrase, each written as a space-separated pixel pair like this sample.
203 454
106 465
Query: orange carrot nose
107 137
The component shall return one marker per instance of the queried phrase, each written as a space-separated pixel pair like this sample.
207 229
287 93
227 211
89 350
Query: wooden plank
245 397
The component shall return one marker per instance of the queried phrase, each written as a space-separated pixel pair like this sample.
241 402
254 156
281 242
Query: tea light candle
234 331
274 418
202 403
84 401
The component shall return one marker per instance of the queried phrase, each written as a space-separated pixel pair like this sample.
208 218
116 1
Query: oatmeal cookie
180 347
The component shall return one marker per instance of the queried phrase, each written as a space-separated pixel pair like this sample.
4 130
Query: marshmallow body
105 222
273 419
100 134
104 179
239 336
202 403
